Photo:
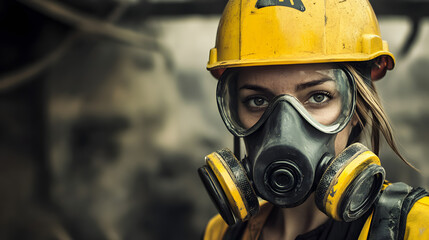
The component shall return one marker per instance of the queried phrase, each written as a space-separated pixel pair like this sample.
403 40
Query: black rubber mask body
284 154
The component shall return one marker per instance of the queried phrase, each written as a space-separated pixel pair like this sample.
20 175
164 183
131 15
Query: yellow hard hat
279 32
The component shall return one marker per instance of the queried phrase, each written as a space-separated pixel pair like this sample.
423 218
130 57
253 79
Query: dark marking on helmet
296 4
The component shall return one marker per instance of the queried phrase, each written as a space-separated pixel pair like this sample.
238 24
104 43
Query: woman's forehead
284 74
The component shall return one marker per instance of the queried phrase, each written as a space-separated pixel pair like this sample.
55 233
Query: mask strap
364 68
237 147
356 131
354 134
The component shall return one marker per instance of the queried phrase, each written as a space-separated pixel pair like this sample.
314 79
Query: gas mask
290 145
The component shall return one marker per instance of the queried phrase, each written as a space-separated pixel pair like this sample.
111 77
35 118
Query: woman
295 82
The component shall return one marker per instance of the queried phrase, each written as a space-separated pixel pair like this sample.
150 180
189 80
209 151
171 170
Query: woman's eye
257 102
319 98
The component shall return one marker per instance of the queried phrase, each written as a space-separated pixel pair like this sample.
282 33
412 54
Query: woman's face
313 86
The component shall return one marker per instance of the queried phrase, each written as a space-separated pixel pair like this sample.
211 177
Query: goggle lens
324 96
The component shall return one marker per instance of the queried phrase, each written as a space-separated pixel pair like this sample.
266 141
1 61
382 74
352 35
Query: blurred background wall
106 112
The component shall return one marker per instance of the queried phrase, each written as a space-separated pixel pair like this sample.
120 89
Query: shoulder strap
415 195
385 223
391 211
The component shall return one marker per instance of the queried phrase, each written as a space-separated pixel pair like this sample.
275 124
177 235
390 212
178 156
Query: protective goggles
324 95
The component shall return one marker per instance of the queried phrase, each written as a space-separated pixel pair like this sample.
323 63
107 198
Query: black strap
385 223
415 195
391 211
235 231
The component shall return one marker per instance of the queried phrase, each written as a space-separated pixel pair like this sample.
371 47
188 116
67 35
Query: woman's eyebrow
312 83
254 88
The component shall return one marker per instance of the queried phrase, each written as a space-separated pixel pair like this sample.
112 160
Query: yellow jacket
417 222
